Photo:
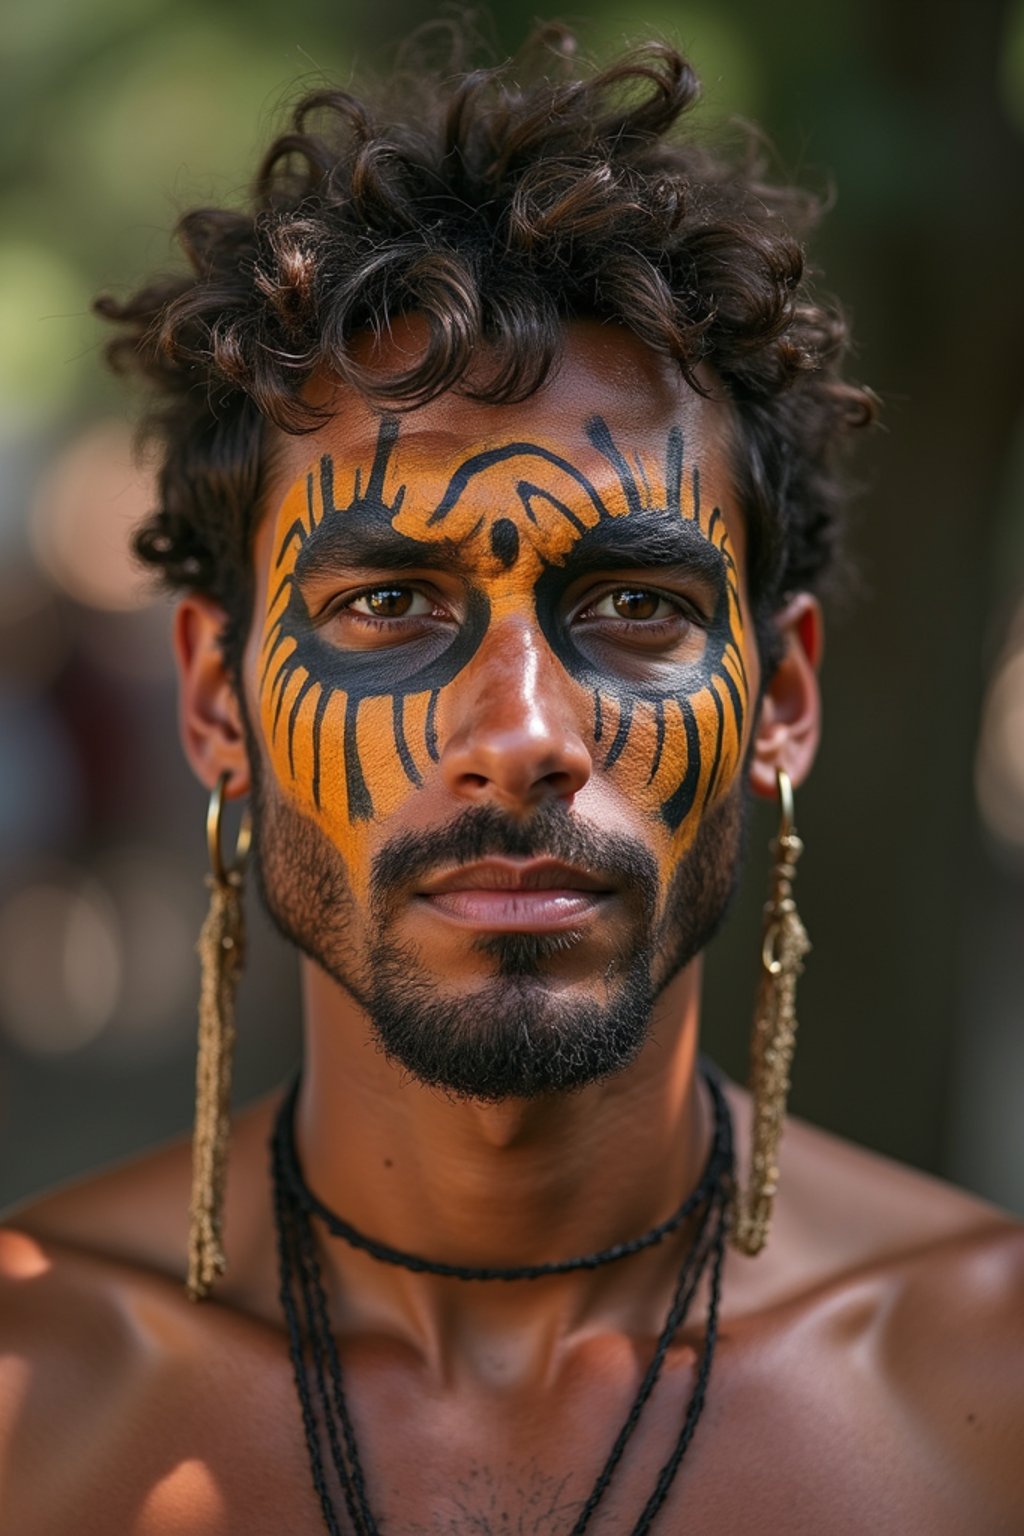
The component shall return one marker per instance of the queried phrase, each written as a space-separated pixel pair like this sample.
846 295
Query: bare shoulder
842 1208
136 1213
948 1330
102 1358
913 1290
73 1353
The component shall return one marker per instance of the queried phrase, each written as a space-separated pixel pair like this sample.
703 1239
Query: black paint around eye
394 672
648 536
570 646
388 671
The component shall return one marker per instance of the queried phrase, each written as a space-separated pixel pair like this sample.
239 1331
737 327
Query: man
499 477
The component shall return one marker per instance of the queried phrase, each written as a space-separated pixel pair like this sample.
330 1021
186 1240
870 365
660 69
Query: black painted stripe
674 470
528 493
282 587
327 484
733 649
386 439
659 721
601 437
719 741
272 652
360 806
412 773
307 685
734 695
480 462
318 720
622 733
430 728
677 807
644 480
296 531
284 676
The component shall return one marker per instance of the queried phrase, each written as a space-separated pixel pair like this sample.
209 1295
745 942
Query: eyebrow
356 540
652 539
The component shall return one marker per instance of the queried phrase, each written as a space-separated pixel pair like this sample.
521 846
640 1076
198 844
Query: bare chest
791 1438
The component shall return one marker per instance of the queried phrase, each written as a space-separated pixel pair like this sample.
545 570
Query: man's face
488 637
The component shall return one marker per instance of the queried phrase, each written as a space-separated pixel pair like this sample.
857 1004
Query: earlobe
789 721
209 716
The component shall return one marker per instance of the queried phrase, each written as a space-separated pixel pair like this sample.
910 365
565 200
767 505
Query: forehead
604 371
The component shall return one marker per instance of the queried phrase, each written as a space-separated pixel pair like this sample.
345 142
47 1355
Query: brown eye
386 602
635 603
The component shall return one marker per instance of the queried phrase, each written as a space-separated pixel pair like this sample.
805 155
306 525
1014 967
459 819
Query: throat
521 1181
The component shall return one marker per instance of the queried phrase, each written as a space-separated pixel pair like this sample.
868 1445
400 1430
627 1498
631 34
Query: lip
516 896
515 875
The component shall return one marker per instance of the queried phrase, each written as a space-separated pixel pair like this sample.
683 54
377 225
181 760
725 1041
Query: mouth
516 896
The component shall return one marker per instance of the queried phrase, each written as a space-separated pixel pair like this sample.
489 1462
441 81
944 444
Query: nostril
560 783
557 785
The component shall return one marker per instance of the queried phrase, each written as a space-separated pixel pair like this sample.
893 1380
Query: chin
519 1034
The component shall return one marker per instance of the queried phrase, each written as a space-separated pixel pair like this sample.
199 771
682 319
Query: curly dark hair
498 203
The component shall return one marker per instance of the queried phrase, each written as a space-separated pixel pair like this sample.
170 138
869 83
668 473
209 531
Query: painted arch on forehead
519 515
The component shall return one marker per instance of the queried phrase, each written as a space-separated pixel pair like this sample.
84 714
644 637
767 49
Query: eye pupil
631 603
389 602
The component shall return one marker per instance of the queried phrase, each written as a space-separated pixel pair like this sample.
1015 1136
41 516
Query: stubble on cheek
306 887
702 885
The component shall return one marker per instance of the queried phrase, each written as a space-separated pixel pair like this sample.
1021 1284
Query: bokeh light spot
83 515
60 965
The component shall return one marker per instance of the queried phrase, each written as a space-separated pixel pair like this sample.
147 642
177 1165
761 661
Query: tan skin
868 1375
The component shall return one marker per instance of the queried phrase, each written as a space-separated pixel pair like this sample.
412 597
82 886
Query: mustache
485 832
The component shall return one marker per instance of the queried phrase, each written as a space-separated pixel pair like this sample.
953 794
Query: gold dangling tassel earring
784 944
221 954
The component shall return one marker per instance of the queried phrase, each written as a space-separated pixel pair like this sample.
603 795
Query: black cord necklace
306 1200
318 1372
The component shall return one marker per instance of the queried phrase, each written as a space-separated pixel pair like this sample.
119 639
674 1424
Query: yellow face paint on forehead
353 732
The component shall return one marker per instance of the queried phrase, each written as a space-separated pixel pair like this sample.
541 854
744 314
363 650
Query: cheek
682 756
346 771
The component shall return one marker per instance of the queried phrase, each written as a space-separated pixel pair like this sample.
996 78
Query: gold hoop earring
221 954
784 943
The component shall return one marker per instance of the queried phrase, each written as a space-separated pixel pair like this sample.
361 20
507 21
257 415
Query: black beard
516 1036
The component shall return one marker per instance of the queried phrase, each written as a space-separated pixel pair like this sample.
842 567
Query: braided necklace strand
306 1200
317 1365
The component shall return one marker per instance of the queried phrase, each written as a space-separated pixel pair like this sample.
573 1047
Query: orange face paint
354 715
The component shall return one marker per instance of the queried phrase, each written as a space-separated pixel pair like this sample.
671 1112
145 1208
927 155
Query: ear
789 724
209 717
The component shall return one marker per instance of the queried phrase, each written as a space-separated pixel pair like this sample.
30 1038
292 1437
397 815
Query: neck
497 1185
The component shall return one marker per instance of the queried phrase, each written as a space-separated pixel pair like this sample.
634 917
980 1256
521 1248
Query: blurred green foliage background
115 117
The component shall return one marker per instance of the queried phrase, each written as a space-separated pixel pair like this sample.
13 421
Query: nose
513 739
